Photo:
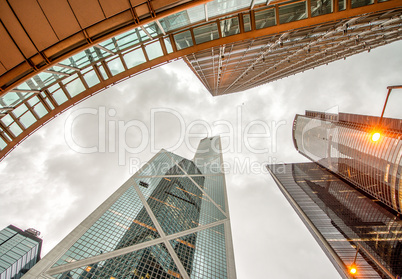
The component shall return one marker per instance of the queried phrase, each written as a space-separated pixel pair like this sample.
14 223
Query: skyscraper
55 55
352 229
349 198
342 143
169 220
19 251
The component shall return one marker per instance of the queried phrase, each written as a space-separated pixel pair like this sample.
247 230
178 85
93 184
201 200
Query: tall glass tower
19 251
350 197
169 220
351 228
342 143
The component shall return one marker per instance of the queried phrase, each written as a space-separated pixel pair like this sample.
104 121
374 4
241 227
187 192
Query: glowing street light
353 269
376 136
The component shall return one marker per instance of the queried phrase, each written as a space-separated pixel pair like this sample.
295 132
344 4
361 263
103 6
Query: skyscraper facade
353 229
169 220
55 55
342 143
349 197
19 251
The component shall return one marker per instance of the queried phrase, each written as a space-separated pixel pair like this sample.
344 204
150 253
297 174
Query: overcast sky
51 184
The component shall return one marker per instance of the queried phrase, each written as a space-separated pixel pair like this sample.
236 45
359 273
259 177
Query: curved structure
55 54
343 145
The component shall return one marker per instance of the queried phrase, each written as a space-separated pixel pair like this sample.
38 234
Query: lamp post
376 136
353 268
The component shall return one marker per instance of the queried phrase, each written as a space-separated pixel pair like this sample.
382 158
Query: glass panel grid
151 262
203 254
124 224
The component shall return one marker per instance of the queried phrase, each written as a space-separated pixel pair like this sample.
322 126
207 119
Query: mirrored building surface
19 251
343 144
169 220
352 228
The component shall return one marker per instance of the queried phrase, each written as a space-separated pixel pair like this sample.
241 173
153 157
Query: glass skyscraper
351 227
342 143
350 197
169 220
19 251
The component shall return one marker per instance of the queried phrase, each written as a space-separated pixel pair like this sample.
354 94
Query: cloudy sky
59 175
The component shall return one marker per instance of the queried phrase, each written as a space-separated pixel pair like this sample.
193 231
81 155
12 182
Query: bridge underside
241 65
233 52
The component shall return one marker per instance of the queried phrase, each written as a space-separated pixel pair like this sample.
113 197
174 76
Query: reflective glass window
91 78
49 103
247 22
230 26
27 119
7 120
292 12
127 39
103 72
206 33
168 45
34 100
40 110
183 18
153 29
75 87
183 40
2 144
264 18
59 96
134 58
154 50
115 66
321 7
360 3
221 7
341 5
20 110
15 129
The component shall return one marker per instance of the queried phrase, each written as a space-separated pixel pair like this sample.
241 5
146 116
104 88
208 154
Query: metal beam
160 27
57 73
105 49
68 67
25 90
146 32
7 109
252 4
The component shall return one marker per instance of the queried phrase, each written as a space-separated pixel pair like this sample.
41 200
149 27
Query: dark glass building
19 251
351 228
169 220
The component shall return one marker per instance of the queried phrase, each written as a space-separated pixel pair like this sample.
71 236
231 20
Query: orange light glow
88 268
353 270
376 136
